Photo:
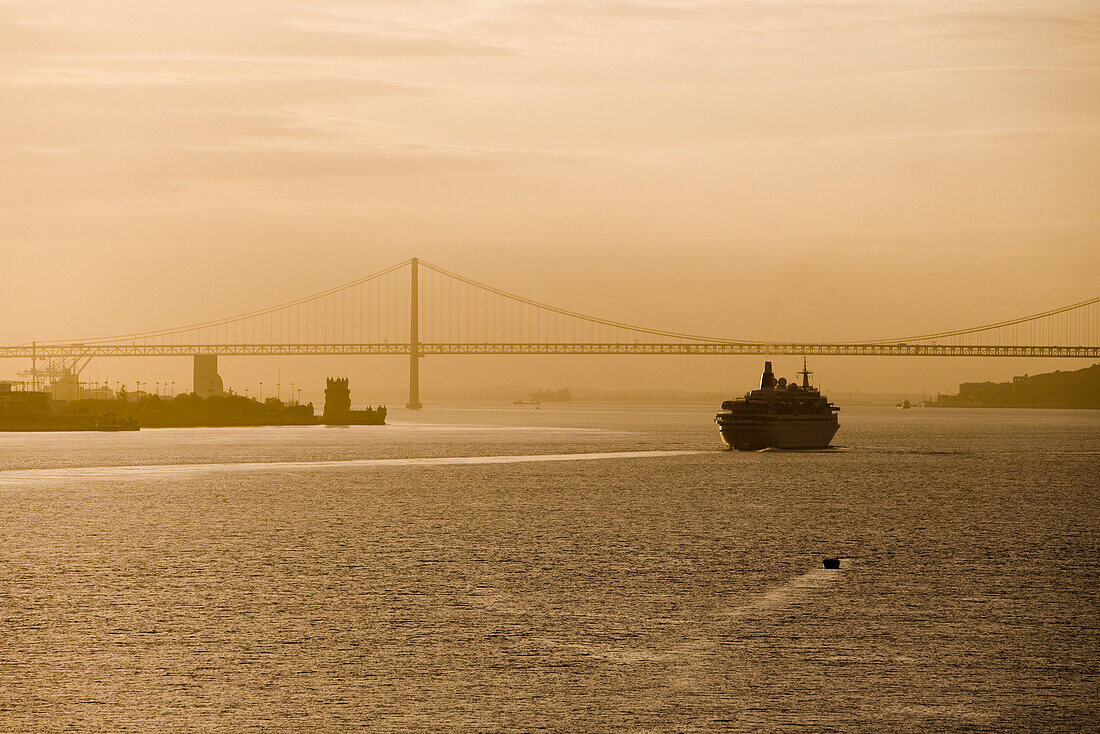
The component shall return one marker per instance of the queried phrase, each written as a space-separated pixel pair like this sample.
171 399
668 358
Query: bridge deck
47 351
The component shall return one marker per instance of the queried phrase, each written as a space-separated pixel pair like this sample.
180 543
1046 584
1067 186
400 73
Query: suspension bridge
418 309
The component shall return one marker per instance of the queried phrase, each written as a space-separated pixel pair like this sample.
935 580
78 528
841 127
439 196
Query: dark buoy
832 563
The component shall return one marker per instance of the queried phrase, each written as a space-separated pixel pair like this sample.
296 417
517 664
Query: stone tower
337 397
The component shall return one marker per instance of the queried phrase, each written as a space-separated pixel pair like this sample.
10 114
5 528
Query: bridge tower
414 339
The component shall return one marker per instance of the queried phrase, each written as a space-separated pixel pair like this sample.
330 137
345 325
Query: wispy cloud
688 103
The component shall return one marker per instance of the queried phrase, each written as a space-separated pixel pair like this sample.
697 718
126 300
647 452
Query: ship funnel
767 380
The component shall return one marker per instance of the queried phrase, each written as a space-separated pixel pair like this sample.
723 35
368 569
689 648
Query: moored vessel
779 415
26 410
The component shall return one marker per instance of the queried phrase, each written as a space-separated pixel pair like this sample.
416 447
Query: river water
566 569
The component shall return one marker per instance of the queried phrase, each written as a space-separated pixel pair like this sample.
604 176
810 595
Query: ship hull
357 418
779 432
65 424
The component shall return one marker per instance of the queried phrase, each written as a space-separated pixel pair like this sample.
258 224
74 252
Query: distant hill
1077 389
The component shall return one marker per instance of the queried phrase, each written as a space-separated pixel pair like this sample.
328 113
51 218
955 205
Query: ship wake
142 471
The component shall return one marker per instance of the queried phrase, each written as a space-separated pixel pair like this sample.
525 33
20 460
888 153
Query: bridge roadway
47 351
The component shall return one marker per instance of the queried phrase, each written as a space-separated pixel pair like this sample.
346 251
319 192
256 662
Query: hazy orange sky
762 170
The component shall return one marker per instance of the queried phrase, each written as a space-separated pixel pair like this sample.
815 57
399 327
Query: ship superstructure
779 414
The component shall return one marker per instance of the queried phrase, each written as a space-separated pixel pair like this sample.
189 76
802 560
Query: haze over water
766 170
479 569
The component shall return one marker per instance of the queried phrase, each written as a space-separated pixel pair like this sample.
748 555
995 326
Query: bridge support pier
414 383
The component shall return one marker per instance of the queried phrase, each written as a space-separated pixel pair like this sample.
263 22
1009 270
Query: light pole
261 391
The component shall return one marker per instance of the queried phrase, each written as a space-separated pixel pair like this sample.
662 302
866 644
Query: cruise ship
780 414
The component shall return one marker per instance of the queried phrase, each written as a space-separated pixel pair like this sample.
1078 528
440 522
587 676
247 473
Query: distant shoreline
1078 389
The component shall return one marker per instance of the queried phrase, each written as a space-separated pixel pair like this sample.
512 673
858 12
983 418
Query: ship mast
805 374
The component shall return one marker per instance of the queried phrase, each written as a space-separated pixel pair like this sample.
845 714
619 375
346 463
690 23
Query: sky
763 169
